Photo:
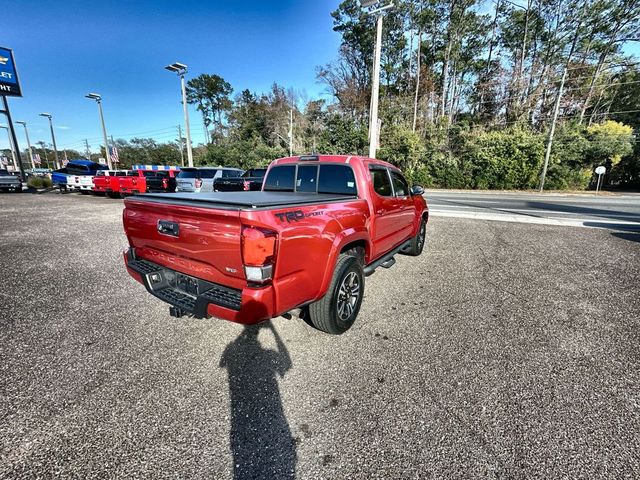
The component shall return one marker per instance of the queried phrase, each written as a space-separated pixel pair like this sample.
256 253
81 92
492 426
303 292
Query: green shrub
39 182
35 182
505 159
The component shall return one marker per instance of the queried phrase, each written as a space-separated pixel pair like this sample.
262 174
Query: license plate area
186 284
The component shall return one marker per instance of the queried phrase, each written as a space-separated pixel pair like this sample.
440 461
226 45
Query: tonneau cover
234 200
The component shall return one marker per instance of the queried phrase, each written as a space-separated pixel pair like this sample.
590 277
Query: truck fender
341 240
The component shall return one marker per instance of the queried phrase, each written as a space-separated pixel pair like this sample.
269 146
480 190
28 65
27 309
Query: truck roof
330 159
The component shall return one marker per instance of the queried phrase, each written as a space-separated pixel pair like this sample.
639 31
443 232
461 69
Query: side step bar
387 260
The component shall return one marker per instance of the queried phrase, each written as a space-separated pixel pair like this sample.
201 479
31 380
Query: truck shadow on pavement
631 236
260 437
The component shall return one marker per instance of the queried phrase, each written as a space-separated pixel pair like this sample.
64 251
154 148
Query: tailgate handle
168 228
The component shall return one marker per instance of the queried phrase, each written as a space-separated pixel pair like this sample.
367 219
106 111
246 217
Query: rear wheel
337 310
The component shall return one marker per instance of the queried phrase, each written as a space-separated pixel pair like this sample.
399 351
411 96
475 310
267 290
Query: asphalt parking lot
506 350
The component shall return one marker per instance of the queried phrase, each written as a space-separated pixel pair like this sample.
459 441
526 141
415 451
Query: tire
417 243
333 313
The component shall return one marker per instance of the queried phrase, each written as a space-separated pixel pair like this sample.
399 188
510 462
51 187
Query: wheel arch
346 240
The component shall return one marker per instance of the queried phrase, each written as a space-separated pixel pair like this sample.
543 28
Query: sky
66 49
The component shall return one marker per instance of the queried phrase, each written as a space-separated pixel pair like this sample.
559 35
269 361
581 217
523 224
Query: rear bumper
127 191
204 299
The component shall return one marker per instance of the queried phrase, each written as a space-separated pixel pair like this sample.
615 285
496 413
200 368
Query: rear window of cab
324 178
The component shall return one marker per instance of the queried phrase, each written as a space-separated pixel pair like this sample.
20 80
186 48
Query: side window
336 179
280 179
381 183
399 184
306 180
208 173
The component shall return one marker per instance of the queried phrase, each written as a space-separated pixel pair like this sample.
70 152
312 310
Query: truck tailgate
203 242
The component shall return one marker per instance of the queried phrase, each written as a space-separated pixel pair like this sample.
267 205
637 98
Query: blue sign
9 84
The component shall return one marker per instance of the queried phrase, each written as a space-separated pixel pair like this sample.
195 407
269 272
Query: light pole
53 138
98 99
181 70
26 133
11 147
375 81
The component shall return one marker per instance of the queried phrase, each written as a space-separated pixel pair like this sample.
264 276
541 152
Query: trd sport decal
296 215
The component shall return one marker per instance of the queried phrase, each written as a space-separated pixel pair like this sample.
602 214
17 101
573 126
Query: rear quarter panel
308 247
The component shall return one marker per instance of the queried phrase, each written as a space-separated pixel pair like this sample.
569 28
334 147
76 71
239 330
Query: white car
201 179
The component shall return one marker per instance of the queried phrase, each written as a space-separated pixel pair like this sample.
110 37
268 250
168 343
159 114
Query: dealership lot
506 350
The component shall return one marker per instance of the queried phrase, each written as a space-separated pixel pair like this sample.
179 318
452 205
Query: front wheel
337 310
417 243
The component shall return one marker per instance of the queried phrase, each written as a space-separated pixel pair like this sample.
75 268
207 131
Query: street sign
9 84
600 171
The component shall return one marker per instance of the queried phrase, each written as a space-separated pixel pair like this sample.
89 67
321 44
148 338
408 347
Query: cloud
62 127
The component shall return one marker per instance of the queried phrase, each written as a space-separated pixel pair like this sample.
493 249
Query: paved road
506 350
620 211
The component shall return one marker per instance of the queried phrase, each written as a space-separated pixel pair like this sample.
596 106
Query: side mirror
417 190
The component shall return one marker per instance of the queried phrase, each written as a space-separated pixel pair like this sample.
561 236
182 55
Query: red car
134 182
107 182
302 245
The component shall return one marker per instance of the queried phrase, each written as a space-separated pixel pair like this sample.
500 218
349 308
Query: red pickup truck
107 182
134 182
302 245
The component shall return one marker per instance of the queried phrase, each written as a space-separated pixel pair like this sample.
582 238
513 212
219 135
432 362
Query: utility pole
86 149
375 91
375 81
181 145
415 100
26 133
291 132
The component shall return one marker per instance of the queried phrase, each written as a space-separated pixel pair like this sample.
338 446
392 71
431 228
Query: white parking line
575 222
530 211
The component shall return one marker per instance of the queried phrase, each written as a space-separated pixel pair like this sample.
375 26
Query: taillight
258 253
198 183
245 185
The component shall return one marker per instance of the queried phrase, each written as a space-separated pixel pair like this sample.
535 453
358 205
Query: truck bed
243 200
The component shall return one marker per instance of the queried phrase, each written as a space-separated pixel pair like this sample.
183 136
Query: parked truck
251 180
106 182
302 245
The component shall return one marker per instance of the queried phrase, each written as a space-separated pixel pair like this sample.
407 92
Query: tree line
469 91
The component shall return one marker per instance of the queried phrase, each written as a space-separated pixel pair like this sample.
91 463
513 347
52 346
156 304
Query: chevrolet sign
9 84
